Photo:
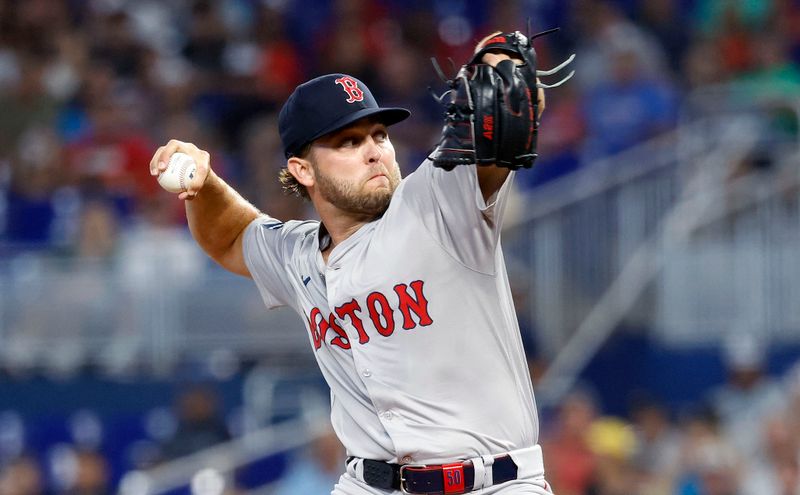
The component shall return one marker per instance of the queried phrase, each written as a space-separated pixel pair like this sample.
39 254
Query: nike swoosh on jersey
306 280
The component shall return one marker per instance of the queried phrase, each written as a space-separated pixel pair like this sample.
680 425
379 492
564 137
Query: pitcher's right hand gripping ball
191 185
492 116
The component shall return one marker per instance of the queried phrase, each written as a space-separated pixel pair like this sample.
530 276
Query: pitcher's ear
302 170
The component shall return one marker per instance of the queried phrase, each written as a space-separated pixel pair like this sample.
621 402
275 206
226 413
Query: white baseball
180 170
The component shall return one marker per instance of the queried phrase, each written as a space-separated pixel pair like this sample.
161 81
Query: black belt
441 479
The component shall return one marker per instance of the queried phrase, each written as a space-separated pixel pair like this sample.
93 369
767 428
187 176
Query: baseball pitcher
402 284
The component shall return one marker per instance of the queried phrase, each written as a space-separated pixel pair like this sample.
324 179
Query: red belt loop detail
453 478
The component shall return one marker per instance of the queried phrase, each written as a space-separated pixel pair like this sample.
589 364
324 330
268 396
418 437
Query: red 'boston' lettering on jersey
313 327
349 309
341 339
418 305
381 314
319 327
385 310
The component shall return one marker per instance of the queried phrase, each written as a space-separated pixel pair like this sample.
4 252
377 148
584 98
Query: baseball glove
492 113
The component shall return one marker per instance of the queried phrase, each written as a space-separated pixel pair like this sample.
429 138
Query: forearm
491 179
217 218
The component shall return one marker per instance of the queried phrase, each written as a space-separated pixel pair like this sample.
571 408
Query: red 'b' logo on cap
350 86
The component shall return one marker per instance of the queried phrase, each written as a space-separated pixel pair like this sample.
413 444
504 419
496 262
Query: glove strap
513 44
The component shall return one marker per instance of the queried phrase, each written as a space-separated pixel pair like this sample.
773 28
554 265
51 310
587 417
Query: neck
340 225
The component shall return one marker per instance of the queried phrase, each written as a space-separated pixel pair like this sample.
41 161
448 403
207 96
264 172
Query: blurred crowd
741 438
90 88
92 456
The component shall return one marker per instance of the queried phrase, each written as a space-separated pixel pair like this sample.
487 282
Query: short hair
289 182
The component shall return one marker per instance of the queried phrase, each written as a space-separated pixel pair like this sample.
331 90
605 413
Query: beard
349 196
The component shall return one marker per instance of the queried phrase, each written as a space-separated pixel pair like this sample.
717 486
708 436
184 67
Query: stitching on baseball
181 175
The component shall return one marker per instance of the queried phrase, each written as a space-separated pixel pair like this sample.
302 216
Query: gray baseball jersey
411 321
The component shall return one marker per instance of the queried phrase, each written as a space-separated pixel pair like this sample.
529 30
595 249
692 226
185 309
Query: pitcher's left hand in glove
492 112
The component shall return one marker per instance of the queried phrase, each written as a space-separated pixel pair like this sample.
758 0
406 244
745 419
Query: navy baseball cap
326 104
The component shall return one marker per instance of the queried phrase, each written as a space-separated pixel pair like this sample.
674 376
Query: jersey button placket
332 283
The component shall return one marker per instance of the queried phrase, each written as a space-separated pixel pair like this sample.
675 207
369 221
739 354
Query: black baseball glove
492 113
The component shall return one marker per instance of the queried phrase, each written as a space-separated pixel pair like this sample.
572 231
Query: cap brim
388 116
